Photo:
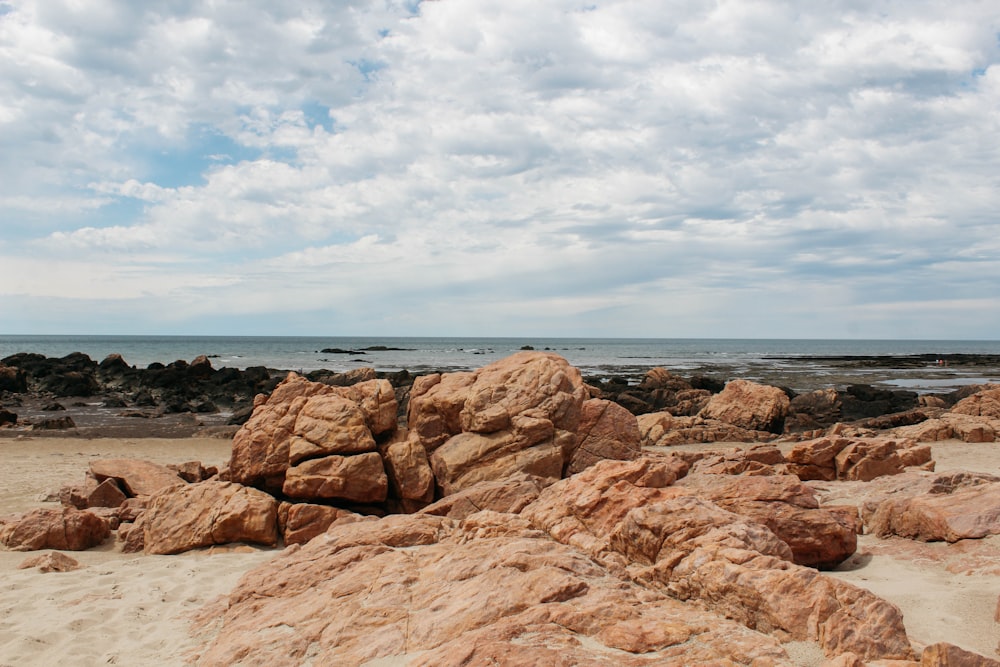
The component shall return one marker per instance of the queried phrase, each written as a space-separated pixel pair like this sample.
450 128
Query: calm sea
594 356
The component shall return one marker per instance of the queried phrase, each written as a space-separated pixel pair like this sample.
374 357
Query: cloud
732 169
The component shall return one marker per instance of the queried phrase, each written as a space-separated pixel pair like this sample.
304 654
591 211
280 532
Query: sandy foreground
129 609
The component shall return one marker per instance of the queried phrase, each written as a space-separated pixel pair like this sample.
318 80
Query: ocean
597 357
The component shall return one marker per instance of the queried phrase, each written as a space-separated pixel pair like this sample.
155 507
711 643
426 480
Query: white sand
120 609
132 609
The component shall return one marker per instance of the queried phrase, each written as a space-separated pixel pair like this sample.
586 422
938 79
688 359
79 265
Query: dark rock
13 380
7 417
53 407
55 424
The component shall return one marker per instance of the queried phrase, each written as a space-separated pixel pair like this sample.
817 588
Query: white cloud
688 167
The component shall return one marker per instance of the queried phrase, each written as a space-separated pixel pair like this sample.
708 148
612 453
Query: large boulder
606 431
962 509
68 529
180 518
135 477
359 479
519 414
854 459
749 405
302 421
423 590
986 403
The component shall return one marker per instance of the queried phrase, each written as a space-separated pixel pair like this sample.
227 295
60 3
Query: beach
133 609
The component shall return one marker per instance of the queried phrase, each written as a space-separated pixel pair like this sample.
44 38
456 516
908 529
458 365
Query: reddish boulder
300 522
944 654
303 419
68 529
952 513
410 476
519 414
181 518
360 478
749 405
107 494
606 431
818 537
135 477
510 495
419 590
985 403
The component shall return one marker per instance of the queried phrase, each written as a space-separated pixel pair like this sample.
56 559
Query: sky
668 168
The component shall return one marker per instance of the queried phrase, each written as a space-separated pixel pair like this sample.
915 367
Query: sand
130 609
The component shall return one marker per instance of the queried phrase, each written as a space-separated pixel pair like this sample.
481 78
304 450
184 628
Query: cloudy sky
671 168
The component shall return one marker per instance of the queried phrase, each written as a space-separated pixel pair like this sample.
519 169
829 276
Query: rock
983 404
519 414
300 522
327 425
749 405
113 363
633 516
606 431
107 494
13 380
967 512
7 418
54 561
193 471
688 430
68 529
814 409
509 495
944 654
136 477
818 537
409 473
419 590
360 478
862 459
341 419
54 424
183 517
468 458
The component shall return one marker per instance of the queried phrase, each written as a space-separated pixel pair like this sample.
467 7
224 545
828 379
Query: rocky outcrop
425 590
315 429
188 516
749 405
985 403
68 529
606 431
520 414
861 459
661 429
952 509
54 561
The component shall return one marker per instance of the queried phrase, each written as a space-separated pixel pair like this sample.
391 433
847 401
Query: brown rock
68 529
360 478
519 414
409 472
749 405
107 494
818 537
300 522
53 561
262 448
192 471
688 430
329 424
135 477
509 495
606 431
944 654
415 589
966 513
983 404
186 517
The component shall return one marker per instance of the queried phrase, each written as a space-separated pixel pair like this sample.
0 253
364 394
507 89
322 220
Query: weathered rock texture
68 529
185 517
425 590
749 405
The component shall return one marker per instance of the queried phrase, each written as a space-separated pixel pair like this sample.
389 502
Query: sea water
591 355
